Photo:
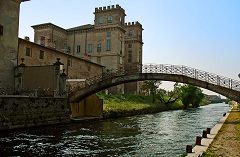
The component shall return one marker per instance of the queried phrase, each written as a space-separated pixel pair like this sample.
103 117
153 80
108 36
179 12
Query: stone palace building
109 42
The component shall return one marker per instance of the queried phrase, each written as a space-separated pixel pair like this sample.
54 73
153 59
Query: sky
203 34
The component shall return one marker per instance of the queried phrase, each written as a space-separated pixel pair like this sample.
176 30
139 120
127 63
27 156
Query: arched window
110 18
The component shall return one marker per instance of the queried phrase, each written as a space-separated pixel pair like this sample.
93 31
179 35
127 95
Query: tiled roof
88 26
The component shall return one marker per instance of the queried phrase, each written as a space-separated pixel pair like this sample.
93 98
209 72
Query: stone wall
20 112
92 106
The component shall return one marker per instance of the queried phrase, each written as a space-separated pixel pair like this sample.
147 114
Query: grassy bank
128 105
227 141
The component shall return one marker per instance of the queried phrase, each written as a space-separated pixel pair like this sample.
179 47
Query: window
120 60
130 33
42 41
129 45
108 34
121 47
108 44
89 68
122 20
1 29
99 60
65 46
49 42
99 37
78 49
100 20
99 47
54 44
110 19
28 51
129 56
89 48
68 49
41 55
140 56
69 62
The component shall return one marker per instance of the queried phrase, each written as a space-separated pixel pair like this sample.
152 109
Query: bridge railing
192 73
164 69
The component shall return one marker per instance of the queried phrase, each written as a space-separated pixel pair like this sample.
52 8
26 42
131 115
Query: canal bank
124 105
227 141
141 135
202 143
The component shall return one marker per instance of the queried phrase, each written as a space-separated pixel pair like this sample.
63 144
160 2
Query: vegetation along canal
160 134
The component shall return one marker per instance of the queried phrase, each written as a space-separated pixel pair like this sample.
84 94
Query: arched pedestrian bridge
183 74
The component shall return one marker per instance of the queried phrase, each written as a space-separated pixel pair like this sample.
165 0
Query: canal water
162 134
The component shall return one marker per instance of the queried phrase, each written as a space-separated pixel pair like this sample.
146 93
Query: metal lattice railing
163 69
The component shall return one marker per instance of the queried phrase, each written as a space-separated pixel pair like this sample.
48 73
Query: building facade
32 54
9 21
109 41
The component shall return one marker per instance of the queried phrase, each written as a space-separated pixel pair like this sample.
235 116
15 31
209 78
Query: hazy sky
204 34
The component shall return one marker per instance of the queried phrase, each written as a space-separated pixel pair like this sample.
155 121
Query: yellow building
109 41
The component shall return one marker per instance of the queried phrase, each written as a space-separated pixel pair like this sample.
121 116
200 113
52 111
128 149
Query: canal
160 134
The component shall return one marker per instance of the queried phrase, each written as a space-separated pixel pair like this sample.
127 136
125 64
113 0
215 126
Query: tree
191 95
173 96
151 86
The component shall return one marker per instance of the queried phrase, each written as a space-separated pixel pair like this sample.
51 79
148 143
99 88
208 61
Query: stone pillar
208 130
9 21
19 72
198 140
62 84
204 134
189 149
57 65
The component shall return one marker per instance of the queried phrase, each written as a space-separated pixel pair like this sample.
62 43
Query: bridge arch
182 74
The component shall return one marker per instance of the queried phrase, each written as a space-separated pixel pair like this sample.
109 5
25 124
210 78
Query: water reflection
162 134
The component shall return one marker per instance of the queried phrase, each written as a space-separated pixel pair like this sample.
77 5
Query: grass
209 154
238 127
122 105
225 138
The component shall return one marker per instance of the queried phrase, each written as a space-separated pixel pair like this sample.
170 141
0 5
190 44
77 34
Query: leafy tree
151 86
191 95
173 96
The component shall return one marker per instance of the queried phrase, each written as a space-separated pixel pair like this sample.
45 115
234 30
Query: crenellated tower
133 52
109 16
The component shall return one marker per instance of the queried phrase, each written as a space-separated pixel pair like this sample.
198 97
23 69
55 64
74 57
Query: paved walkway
199 149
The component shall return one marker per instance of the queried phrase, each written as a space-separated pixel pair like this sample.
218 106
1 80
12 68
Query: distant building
214 98
109 41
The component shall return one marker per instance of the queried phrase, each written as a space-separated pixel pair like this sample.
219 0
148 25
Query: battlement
133 24
109 8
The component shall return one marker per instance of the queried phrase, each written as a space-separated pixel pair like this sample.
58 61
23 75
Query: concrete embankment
24 111
198 150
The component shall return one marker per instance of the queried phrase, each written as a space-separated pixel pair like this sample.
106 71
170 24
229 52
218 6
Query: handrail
164 69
